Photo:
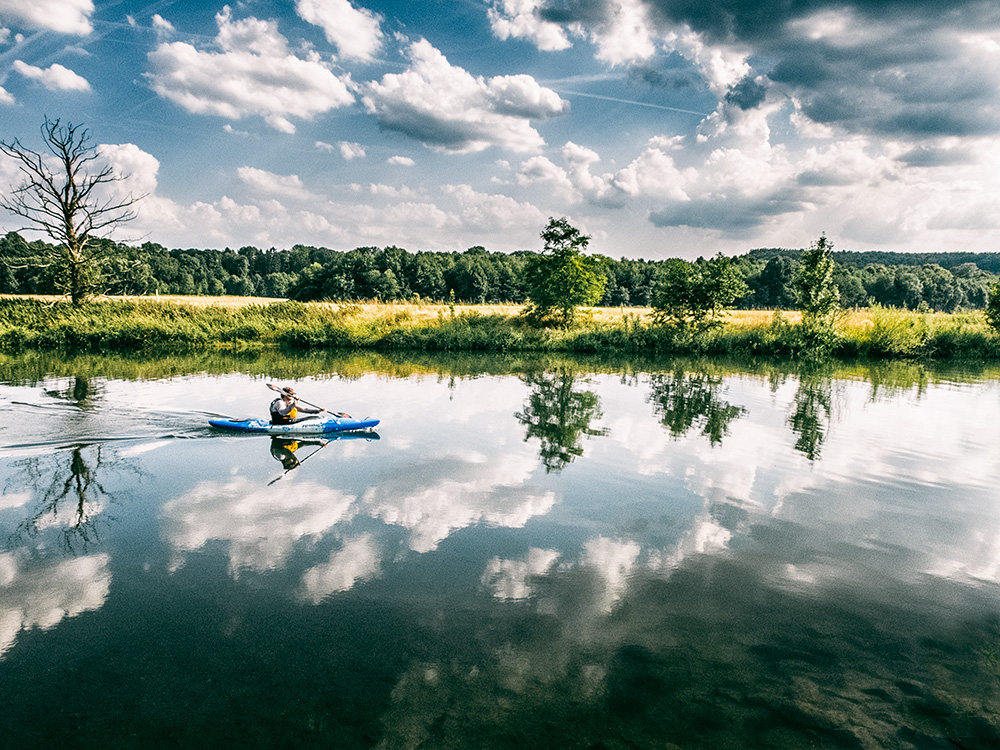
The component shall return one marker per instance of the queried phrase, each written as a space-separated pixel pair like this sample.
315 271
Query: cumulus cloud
253 73
357 560
448 109
5 96
261 528
55 77
273 184
63 16
41 597
519 19
356 32
484 212
459 490
350 150
401 161
621 29
901 70
511 579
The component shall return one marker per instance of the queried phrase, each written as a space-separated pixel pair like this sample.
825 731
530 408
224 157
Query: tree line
478 275
66 199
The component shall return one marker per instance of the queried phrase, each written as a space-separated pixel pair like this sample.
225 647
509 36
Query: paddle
322 445
283 392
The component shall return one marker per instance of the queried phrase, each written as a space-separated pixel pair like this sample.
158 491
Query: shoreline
178 324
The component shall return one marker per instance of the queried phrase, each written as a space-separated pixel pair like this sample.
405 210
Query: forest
945 282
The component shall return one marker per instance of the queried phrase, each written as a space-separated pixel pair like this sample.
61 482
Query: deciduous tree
692 295
65 193
562 278
814 286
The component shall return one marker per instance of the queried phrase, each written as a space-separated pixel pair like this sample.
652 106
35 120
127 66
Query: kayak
305 427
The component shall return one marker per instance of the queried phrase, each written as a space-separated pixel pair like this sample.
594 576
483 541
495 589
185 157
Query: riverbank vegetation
144 325
945 282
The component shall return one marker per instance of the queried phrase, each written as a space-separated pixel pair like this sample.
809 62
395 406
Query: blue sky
661 128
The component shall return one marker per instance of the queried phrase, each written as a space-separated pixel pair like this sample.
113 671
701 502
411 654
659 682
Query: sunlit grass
249 324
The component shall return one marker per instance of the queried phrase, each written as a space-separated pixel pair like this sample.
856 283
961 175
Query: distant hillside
986 261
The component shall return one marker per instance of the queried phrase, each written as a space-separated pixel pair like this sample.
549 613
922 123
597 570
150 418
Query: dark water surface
573 556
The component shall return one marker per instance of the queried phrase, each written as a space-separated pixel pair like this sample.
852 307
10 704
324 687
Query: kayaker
286 409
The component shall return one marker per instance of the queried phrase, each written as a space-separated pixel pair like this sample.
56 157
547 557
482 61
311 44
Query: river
551 553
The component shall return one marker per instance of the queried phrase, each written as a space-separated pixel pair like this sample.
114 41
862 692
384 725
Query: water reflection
260 525
285 452
38 592
681 400
61 491
686 583
559 414
82 391
811 416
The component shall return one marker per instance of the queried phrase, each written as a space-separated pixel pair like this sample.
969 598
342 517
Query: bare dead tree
69 204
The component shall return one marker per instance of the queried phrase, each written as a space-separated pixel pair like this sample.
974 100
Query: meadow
178 324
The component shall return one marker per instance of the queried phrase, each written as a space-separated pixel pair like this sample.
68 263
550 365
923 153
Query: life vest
277 417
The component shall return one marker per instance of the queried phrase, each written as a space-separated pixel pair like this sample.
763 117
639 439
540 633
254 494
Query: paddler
286 408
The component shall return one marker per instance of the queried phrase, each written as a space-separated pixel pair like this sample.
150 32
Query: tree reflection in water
559 415
69 498
810 418
682 400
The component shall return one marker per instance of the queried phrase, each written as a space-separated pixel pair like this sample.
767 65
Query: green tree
562 278
993 306
692 295
67 199
814 286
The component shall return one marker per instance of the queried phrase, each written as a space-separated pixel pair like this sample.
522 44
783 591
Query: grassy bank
241 325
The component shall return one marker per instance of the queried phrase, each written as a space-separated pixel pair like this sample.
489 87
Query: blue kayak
305 427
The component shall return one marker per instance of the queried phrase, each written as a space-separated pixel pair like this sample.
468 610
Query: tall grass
151 326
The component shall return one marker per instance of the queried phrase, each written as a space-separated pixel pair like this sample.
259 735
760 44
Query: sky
660 128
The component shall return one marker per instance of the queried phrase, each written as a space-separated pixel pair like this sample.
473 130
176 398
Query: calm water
657 557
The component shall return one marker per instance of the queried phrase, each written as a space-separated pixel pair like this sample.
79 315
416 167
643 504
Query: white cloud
14 500
510 579
484 212
460 490
162 25
64 16
55 77
357 560
401 161
448 109
355 32
614 560
274 184
621 29
254 74
134 167
260 526
43 597
520 19
541 170
350 150
6 97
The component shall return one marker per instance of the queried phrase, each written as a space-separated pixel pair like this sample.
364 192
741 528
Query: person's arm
307 409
